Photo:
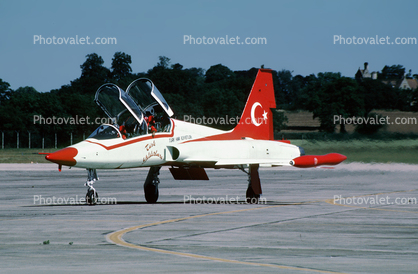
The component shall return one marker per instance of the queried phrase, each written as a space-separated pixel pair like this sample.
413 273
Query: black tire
91 197
252 198
151 193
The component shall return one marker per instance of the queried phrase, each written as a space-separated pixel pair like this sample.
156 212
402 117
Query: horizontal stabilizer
267 162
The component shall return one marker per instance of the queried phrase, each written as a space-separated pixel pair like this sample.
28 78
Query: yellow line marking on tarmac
117 238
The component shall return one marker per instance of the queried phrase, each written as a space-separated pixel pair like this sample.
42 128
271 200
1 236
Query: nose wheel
91 197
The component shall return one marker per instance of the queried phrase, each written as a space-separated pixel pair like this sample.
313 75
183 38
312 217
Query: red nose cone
64 156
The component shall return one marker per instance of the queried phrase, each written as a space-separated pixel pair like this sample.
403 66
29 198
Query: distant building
364 73
403 83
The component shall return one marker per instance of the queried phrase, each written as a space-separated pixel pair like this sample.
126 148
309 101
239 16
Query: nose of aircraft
64 156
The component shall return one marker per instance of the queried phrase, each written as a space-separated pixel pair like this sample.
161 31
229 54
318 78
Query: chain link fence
27 139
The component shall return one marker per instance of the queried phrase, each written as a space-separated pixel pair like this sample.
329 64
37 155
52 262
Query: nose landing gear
91 196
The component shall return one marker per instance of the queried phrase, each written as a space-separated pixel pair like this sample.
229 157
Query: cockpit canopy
104 132
135 112
115 102
146 96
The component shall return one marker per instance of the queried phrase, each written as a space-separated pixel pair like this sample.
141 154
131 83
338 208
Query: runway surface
299 227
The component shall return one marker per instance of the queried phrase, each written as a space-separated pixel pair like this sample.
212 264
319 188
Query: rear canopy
145 94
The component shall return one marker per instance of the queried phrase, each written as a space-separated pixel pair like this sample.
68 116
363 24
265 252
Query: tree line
216 92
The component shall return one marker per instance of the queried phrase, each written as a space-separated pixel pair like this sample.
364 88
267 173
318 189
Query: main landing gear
254 185
91 196
151 185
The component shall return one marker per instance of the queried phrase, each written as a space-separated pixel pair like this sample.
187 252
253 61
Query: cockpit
138 111
104 132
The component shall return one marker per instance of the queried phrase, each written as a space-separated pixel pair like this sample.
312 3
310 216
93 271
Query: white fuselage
185 144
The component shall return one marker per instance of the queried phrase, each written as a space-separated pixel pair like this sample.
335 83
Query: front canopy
117 104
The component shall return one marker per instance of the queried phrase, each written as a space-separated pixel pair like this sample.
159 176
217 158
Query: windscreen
105 132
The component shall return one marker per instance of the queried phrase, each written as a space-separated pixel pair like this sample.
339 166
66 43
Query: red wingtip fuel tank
318 160
64 156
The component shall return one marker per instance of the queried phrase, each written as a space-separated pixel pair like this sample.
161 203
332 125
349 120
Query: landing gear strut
91 196
151 185
254 185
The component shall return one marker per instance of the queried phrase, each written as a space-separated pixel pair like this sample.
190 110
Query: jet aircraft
143 134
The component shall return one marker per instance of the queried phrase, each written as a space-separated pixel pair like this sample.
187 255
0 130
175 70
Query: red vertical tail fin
257 118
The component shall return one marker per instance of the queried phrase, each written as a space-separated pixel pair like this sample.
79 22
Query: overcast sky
296 35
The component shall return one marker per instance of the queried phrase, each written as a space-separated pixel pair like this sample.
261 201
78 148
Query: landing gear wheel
254 186
252 198
151 185
91 197
151 193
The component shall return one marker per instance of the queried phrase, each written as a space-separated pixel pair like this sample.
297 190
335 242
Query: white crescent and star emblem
253 119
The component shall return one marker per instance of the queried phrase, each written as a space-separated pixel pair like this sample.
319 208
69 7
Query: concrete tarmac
299 226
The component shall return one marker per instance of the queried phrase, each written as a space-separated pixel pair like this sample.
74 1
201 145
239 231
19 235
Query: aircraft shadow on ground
269 203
